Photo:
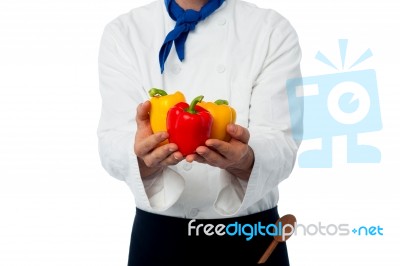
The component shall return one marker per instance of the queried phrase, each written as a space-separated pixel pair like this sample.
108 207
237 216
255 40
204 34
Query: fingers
172 159
163 156
142 114
144 146
212 157
195 158
238 132
223 147
234 150
216 152
224 154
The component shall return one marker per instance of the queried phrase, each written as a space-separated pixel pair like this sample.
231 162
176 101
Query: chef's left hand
235 156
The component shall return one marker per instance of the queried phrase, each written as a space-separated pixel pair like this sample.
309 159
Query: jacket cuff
158 193
236 194
231 194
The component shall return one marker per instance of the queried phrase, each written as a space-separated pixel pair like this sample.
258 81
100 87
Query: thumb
142 114
239 133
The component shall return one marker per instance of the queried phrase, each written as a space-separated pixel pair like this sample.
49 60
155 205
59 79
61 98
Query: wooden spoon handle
268 252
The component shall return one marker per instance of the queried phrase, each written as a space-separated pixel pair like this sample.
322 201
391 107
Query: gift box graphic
344 103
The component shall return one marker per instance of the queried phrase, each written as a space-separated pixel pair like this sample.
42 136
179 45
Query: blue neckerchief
186 21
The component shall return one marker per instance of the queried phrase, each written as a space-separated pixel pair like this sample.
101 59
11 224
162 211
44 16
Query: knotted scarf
186 21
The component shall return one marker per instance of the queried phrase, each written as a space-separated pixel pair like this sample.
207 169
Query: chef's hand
235 156
151 157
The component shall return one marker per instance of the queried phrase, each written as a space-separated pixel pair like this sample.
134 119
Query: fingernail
231 127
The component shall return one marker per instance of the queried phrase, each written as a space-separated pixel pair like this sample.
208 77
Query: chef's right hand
151 157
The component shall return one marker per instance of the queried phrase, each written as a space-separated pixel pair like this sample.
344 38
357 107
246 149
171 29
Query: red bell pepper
189 126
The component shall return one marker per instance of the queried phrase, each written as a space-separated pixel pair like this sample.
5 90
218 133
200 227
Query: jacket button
176 69
221 68
187 166
194 212
222 21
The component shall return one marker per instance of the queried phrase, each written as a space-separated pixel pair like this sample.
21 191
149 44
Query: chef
228 50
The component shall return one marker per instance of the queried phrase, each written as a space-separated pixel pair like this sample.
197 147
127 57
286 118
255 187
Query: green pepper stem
221 102
195 101
157 92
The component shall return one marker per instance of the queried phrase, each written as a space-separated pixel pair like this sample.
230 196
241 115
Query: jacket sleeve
270 125
121 91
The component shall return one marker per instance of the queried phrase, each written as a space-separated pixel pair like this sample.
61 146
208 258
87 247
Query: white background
59 207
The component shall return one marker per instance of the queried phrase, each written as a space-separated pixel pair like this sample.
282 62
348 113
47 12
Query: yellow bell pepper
161 102
223 115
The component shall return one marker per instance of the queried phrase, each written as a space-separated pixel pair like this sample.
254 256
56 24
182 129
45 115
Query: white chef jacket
240 53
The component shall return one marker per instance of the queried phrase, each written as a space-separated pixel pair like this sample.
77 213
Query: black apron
164 240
